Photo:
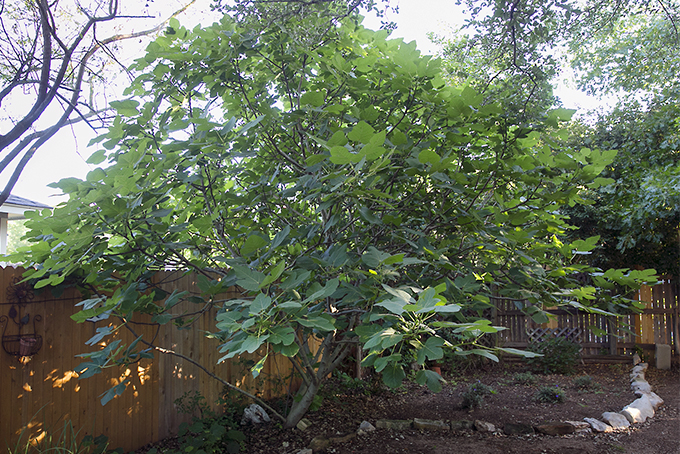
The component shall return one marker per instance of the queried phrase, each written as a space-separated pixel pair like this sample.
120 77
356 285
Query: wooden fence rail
44 392
601 335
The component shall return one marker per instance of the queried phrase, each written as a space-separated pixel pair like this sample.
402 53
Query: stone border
637 411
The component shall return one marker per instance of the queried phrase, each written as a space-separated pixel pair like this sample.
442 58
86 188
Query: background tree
48 64
15 232
637 216
350 193
514 51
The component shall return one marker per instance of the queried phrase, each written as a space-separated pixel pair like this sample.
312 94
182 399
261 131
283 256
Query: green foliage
210 432
305 21
350 194
354 385
63 440
551 395
585 383
635 53
15 232
209 436
625 48
613 46
560 356
524 378
474 395
637 213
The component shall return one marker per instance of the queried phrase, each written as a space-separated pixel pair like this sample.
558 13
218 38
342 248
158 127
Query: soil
347 403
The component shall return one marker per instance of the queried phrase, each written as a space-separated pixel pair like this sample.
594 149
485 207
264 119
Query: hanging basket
22 344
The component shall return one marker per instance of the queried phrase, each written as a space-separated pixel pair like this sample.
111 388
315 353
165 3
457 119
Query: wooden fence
44 392
658 324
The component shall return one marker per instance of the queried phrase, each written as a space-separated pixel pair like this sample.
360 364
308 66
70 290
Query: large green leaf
362 132
247 278
393 375
252 244
252 343
127 108
259 304
321 323
431 349
430 378
313 98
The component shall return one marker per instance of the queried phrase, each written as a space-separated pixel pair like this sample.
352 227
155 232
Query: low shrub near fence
560 356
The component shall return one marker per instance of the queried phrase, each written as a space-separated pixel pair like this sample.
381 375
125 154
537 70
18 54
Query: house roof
16 206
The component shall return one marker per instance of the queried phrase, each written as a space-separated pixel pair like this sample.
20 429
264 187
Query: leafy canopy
343 187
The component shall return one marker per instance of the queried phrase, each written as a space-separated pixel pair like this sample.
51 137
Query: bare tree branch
52 80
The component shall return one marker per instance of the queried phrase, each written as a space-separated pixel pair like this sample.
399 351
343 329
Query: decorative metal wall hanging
21 344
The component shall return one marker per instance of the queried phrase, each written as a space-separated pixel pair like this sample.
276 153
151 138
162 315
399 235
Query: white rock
598 426
484 427
639 410
637 376
636 359
641 386
616 420
303 424
655 400
640 367
578 424
254 414
365 427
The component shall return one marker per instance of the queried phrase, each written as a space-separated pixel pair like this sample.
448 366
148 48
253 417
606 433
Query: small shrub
472 400
473 397
210 432
585 383
560 356
524 378
481 388
353 385
551 395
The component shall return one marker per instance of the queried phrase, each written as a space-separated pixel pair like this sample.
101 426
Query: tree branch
46 94
168 351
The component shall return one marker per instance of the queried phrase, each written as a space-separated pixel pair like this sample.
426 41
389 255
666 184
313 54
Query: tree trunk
300 407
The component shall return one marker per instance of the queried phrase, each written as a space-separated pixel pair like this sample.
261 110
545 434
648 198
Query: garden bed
348 403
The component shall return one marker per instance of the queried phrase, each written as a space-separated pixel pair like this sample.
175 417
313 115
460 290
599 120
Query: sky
65 155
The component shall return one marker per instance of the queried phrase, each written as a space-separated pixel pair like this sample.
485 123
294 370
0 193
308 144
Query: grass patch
524 378
585 383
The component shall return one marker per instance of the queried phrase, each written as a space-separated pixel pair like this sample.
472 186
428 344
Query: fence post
612 329
494 322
